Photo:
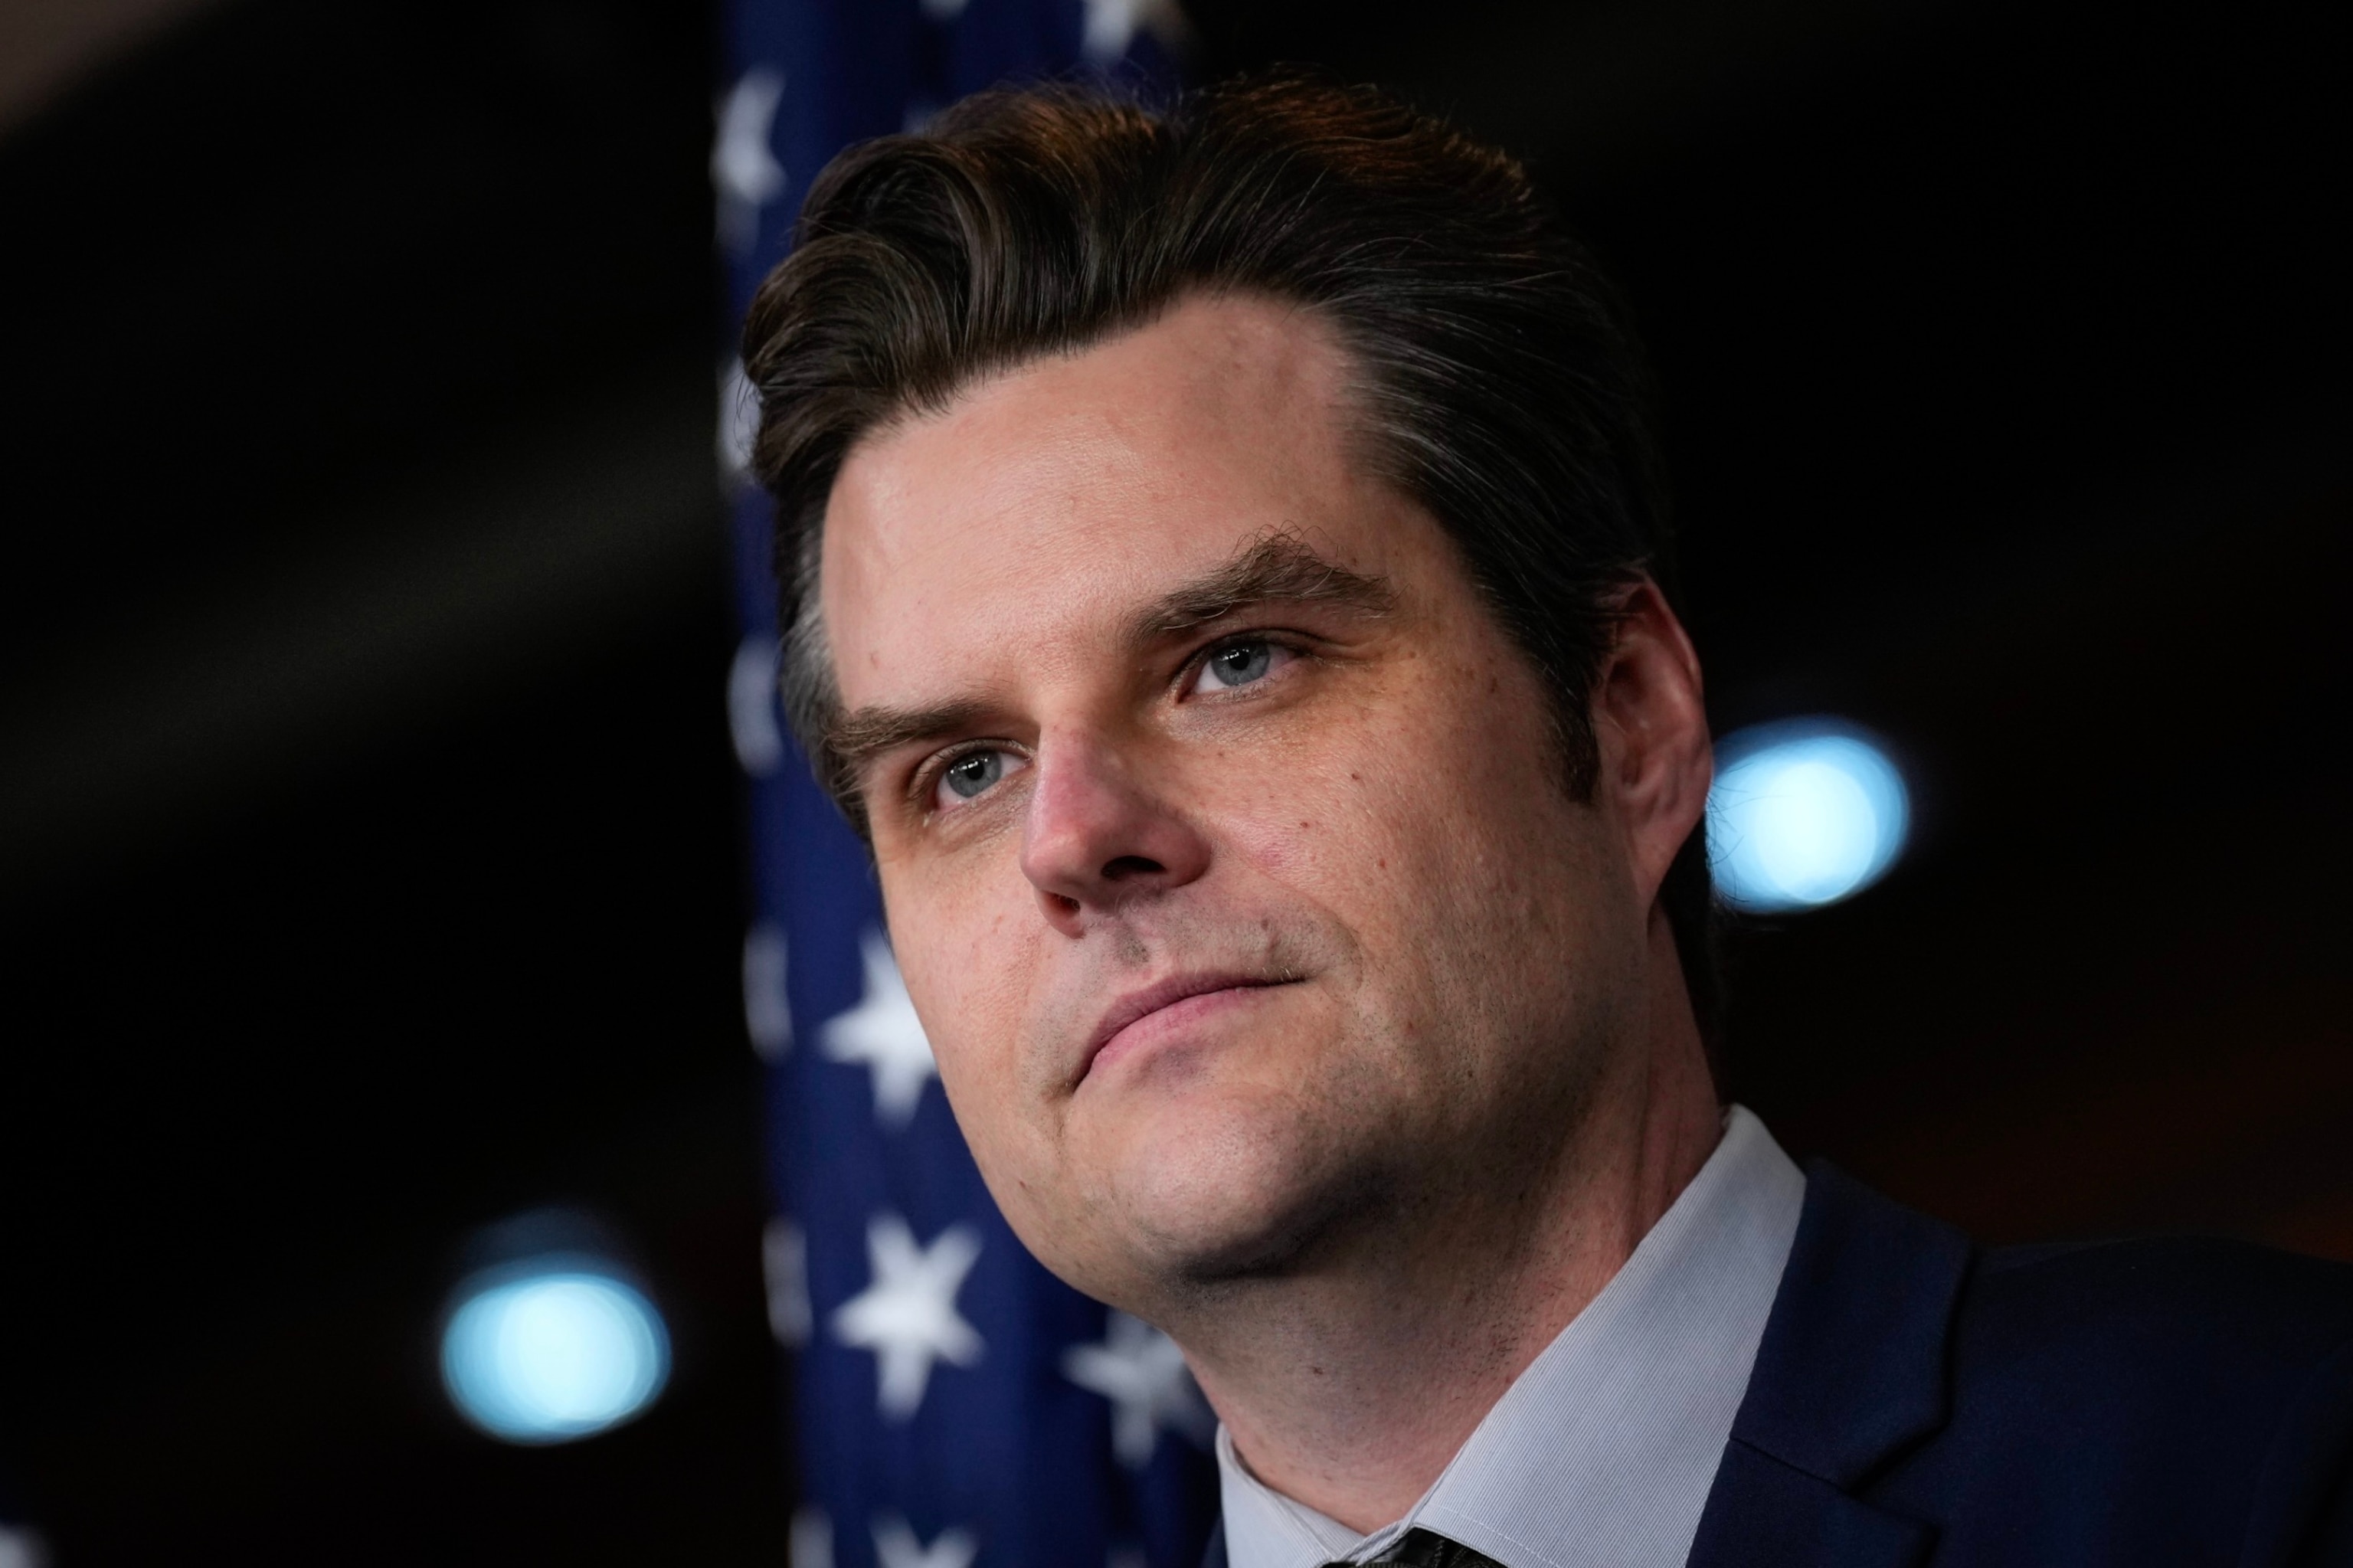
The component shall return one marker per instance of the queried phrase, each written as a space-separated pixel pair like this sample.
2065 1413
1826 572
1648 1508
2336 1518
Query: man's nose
1096 839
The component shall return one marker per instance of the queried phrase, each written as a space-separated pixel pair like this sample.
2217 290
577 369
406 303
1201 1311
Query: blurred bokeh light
552 1351
1804 813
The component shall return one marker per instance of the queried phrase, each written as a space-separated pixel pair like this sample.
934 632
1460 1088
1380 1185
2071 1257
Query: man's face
1219 825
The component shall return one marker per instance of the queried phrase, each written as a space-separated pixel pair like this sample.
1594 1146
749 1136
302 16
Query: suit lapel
1851 1372
1764 1514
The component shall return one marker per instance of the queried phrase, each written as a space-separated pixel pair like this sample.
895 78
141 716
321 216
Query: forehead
1044 502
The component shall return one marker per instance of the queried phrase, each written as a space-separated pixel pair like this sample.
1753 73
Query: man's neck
1351 1387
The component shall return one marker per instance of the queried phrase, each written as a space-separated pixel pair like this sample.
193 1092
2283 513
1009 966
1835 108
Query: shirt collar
1601 1454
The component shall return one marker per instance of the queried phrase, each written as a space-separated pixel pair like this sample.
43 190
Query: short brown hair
1503 387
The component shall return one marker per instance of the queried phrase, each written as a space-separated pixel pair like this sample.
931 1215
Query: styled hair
1498 379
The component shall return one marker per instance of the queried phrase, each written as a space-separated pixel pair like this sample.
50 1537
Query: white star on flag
896 1547
811 1542
1111 24
784 1260
752 716
1143 1373
767 1015
743 171
884 1033
907 1317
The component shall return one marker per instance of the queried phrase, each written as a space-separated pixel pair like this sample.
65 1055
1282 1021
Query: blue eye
969 775
965 779
1238 663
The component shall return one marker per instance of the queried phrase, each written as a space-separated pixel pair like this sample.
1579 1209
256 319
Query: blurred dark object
367 828
48 46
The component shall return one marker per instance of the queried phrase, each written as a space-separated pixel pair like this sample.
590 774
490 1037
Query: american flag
955 1405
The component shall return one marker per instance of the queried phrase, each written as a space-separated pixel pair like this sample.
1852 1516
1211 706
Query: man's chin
1230 1198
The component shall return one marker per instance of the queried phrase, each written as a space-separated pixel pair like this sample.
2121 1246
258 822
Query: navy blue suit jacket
1918 1401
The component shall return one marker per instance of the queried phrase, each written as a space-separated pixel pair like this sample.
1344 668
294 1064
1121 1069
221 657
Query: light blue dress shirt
1600 1454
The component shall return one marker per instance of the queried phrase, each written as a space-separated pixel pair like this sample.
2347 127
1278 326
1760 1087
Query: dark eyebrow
857 738
1277 568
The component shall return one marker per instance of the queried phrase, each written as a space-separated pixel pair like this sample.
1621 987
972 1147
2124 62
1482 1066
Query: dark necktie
1420 1548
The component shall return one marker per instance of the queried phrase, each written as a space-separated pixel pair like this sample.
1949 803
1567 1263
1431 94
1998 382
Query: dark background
368 826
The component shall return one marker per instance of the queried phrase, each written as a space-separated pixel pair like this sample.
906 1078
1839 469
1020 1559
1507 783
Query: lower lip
1156 1028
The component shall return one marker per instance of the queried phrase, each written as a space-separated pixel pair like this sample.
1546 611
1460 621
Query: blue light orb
1804 813
549 1352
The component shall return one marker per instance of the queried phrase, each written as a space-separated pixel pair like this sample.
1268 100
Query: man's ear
1650 724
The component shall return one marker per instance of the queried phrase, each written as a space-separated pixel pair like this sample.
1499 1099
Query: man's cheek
1332 834
1297 816
952 940
982 1094
975 1001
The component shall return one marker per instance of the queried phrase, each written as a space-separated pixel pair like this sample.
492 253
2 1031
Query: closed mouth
1137 1006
